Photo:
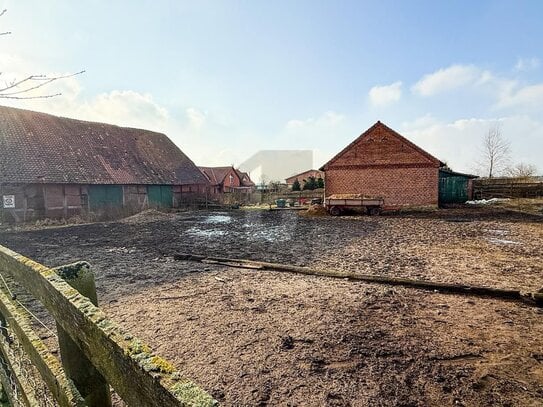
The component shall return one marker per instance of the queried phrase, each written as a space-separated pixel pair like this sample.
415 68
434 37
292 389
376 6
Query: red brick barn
382 163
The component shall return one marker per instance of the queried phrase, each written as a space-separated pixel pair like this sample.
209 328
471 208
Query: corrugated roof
38 147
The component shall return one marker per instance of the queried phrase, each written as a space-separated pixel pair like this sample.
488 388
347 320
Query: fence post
90 383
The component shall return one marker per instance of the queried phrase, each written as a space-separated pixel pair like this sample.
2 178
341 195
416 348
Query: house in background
53 167
301 177
267 166
227 179
382 163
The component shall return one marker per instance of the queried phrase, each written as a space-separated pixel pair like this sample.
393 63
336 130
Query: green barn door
453 190
101 196
160 196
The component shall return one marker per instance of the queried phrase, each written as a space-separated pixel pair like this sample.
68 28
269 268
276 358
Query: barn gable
382 163
380 146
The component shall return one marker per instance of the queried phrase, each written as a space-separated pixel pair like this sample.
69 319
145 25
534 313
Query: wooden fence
95 352
485 188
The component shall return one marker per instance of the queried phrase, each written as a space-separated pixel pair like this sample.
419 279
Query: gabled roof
301 173
245 179
378 124
216 175
42 148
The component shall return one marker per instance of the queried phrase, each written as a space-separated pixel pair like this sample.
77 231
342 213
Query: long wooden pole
536 298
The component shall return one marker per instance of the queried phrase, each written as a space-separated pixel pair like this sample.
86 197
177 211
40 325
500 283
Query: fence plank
25 395
49 366
140 377
90 383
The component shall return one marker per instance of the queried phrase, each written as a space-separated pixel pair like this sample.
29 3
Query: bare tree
496 152
522 170
22 88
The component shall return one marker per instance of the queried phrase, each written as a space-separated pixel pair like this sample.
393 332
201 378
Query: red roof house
227 179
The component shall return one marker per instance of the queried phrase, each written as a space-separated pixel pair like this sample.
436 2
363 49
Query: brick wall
398 186
231 181
383 163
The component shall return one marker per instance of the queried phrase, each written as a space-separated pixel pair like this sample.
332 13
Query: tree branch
43 78
30 97
14 87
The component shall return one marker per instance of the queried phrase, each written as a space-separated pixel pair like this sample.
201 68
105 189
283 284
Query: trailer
337 204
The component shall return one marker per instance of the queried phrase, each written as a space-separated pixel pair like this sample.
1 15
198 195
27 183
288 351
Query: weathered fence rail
139 376
485 188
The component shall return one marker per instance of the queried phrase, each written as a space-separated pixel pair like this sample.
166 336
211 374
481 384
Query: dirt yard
267 338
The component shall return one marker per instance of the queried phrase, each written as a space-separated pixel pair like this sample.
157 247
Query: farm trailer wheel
374 210
335 211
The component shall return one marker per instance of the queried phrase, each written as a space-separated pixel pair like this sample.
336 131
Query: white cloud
458 142
328 119
125 108
120 107
447 79
385 95
527 64
528 97
196 118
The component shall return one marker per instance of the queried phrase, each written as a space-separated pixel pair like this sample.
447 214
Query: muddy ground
268 338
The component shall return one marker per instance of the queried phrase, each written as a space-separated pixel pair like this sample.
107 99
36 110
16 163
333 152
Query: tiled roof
38 147
245 179
304 174
378 124
215 175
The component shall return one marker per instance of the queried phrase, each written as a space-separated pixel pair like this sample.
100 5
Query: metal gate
453 190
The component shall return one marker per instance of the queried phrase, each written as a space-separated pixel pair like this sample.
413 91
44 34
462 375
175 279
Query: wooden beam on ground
140 377
464 289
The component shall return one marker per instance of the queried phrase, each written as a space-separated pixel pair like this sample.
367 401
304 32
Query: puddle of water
271 234
218 219
206 233
501 241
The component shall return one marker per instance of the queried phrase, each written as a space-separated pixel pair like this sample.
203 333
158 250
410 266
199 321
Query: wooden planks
139 376
47 365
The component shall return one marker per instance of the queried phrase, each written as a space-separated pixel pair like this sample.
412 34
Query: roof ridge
78 120
378 123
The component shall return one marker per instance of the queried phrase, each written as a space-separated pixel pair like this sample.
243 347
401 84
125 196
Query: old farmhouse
382 163
57 167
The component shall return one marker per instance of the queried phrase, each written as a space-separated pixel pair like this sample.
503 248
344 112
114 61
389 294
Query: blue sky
225 79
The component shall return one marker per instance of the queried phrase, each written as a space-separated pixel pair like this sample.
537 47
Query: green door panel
160 196
453 189
105 196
